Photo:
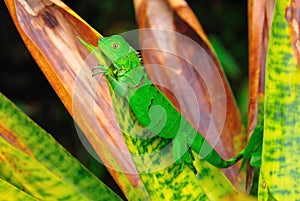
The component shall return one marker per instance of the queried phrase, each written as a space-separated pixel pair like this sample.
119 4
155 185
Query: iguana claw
102 70
187 159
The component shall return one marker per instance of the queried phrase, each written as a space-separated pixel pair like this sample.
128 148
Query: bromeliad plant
50 30
34 166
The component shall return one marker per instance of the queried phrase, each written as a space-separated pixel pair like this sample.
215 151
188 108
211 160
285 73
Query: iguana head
114 47
120 53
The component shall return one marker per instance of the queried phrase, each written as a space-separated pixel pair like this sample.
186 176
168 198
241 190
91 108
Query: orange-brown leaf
50 30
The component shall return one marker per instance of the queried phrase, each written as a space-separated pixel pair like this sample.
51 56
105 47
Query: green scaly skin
151 107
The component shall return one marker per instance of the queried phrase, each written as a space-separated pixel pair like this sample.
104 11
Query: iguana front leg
183 153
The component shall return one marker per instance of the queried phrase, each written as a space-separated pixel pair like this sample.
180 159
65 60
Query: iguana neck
130 82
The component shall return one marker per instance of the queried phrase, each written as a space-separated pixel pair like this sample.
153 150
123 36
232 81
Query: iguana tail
208 153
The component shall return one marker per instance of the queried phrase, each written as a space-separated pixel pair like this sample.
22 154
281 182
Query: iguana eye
116 45
115 72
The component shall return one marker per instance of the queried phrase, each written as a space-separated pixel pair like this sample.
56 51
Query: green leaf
253 149
256 157
270 196
280 170
227 61
32 160
9 192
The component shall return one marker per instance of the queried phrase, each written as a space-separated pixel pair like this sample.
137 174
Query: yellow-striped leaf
30 159
280 170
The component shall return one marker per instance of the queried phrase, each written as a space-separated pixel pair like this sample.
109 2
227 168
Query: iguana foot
183 154
101 70
187 159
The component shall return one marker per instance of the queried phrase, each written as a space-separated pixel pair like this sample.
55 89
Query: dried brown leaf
50 30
